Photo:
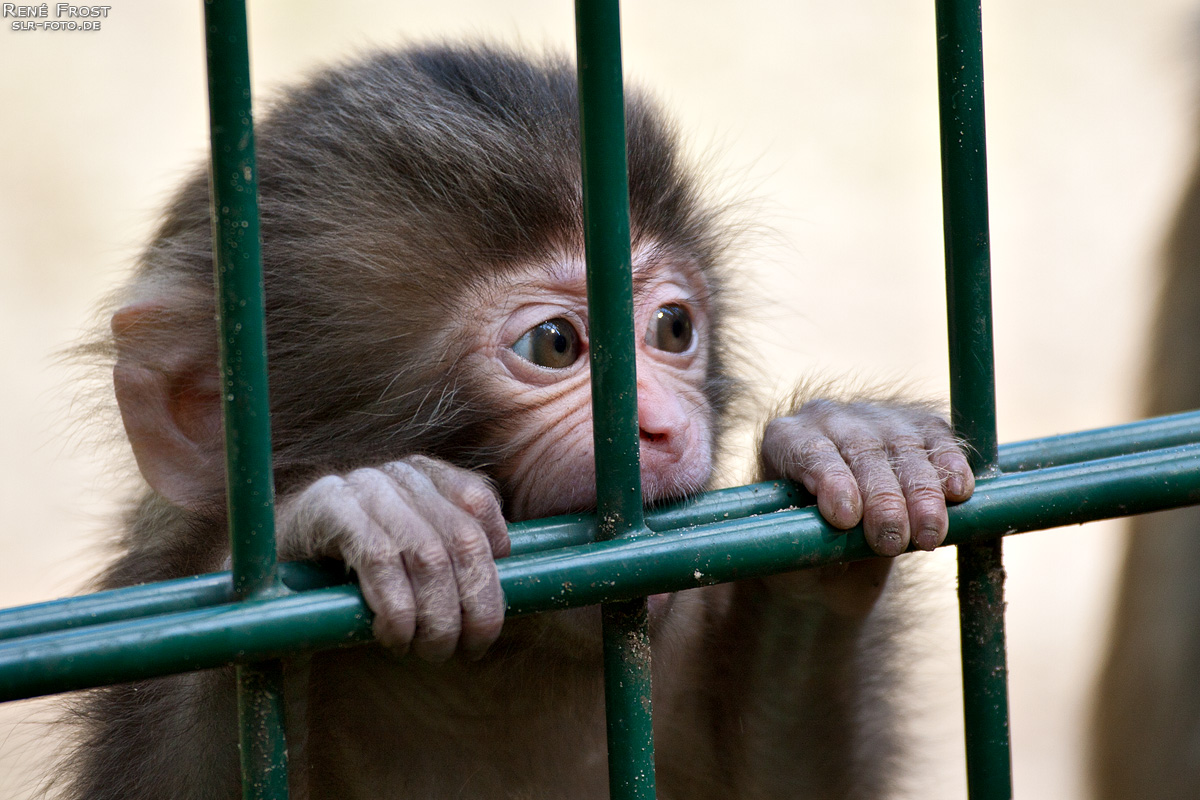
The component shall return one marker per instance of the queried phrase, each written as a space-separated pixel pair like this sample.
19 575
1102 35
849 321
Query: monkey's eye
554 344
670 329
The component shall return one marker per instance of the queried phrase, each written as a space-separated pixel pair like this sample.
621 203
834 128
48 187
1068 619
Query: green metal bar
237 266
243 632
742 501
614 385
965 224
133 602
535 536
609 274
1071 448
627 702
786 540
972 386
240 307
114 605
629 567
261 708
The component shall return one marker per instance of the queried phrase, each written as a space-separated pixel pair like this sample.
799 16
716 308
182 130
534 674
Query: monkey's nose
661 417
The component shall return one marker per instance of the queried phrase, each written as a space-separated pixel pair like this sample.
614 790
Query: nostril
647 436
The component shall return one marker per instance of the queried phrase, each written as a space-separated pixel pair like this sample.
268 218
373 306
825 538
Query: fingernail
845 509
955 485
927 538
889 542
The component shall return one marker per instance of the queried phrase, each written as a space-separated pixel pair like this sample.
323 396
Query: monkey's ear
168 391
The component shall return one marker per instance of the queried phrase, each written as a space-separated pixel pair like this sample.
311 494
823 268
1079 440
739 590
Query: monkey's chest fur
527 721
382 729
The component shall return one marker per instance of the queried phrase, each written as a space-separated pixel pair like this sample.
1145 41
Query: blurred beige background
823 112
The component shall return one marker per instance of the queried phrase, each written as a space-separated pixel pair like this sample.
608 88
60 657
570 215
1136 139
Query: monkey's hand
892 467
423 537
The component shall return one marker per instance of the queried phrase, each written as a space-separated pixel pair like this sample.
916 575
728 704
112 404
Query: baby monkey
428 344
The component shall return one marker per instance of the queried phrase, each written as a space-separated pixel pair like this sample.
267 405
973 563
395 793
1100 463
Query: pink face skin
551 468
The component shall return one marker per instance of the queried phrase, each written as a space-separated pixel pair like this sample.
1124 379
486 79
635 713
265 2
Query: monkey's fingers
340 517
793 450
480 595
439 613
477 597
947 457
449 558
474 494
405 573
843 459
403 500
389 595
885 511
924 494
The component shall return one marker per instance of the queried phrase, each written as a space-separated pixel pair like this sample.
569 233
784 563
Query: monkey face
532 350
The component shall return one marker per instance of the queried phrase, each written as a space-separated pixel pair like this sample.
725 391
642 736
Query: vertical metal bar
237 266
240 305
614 385
972 386
262 741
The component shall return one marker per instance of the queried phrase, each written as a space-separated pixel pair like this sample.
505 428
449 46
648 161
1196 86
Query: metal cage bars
242 347
197 623
972 386
261 612
625 624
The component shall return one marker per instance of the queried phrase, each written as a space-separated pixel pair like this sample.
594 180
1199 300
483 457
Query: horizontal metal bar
763 498
182 594
200 591
539 535
634 566
242 632
1172 430
762 545
742 501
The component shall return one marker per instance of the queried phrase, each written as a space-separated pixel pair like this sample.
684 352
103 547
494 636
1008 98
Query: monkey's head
423 258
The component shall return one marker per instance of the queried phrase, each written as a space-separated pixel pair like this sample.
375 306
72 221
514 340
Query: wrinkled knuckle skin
886 505
907 446
473 545
391 602
926 496
403 473
429 560
863 449
835 482
465 539
478 499
395 622
815 449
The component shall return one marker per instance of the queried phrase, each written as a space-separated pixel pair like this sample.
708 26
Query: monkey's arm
809 661
421 534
